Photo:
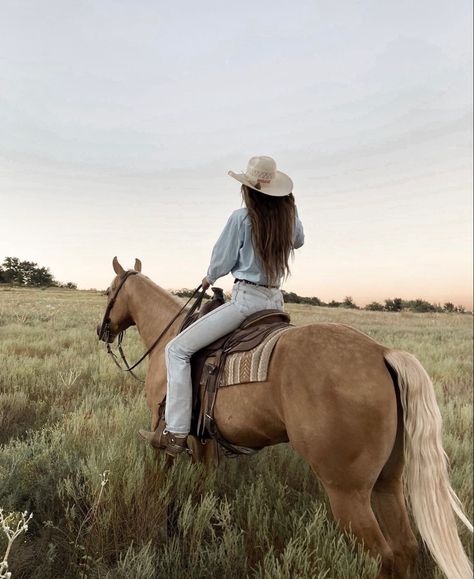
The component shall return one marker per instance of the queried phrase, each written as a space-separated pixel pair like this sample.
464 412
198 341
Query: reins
105 327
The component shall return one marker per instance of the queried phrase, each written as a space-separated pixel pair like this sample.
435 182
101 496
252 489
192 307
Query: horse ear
138 265
117 267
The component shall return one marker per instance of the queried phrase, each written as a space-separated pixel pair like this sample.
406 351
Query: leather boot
173 444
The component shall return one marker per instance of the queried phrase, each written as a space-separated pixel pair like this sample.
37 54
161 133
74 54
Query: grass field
70 455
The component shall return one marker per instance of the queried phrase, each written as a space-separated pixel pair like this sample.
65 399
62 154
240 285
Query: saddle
209 364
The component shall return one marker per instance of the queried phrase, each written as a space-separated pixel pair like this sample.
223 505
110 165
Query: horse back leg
392 514
348 480
352 510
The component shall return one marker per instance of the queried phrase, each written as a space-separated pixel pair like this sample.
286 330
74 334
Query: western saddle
207 366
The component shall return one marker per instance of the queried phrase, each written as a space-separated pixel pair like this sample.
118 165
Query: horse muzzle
104 334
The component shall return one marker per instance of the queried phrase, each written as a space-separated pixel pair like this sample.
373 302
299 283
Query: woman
255 246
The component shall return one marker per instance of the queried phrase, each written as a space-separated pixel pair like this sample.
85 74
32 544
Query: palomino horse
359 413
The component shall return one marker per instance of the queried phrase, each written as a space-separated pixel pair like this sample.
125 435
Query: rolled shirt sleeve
225 253
299 234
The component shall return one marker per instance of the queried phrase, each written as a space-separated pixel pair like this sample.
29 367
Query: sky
120 119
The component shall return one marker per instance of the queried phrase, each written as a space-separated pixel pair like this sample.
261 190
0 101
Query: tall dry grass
67 415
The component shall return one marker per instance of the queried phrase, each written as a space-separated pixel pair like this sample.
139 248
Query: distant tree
349 303
40 277
394 305
291 298
12 271
460 309
375 307
449 307
25 273
183 293
186 293
419 305
334 304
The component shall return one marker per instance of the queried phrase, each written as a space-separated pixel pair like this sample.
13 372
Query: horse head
117 316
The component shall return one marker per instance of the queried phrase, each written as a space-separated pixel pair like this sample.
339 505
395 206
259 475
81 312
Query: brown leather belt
257 284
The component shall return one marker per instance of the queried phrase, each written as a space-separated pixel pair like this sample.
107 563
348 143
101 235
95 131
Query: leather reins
104 332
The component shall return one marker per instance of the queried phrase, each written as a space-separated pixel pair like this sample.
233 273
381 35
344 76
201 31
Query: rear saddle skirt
241 356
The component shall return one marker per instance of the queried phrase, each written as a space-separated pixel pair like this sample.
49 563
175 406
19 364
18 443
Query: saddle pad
251 366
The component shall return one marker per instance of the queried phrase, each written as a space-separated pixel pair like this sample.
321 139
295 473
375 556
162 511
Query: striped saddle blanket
251 366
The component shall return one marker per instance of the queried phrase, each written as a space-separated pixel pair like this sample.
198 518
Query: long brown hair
273 223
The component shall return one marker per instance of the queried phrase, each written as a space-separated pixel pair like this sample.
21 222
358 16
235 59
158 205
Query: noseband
104 332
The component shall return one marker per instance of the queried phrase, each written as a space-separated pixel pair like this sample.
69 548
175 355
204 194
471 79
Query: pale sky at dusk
120 119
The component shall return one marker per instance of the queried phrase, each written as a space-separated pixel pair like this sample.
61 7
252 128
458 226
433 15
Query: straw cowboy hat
262 175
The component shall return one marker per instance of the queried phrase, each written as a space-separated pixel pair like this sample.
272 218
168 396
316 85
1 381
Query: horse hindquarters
340 413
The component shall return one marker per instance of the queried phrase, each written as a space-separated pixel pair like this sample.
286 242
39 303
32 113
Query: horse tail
433 501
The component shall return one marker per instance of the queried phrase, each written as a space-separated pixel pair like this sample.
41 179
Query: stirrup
174 444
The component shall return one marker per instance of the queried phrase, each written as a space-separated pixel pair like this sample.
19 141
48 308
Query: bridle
104 332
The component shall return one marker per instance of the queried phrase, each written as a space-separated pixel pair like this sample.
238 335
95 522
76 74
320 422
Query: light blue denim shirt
234 252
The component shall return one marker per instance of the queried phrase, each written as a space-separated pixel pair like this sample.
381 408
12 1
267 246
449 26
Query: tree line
13 271
389 305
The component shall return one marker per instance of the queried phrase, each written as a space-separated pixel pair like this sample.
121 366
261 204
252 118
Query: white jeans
246 299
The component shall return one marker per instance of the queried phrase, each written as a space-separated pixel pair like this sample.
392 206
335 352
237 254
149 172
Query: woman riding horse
363 415
255 246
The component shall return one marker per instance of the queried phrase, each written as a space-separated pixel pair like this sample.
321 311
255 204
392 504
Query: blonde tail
431 497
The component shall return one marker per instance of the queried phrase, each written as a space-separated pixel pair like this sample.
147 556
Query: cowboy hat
262 176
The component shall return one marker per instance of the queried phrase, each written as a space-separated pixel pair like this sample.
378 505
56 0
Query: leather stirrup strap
156 440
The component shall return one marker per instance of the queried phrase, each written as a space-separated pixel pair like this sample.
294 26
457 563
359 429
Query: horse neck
152 308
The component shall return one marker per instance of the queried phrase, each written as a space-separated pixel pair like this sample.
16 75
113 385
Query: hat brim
280 186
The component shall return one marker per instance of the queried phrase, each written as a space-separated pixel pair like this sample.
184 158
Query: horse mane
163 291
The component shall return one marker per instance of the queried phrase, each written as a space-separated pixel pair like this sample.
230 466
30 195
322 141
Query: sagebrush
68 416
